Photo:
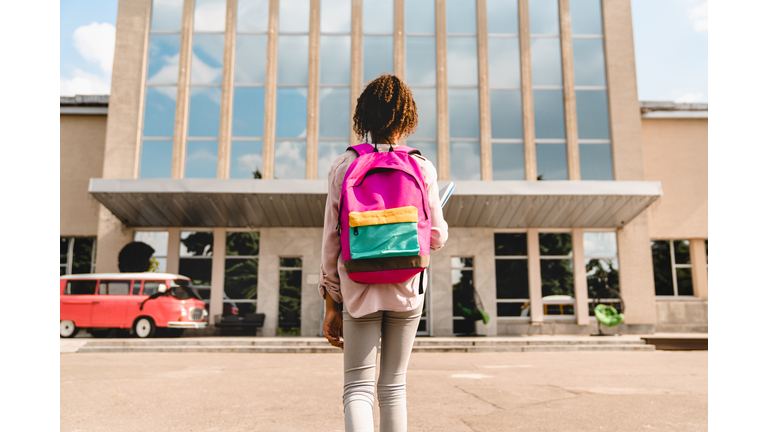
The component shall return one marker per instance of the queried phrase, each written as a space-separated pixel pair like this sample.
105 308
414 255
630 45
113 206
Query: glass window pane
248 112
556 277
551 162
461 262
682 252
427 149
465 161
166 15
63 249
334 112
289 319
601 273
159 111
600 244
85 287
504 62
506 114
291 113
463 290
334 59
82 255
291 262
508 161
294 16
684 282
502 16
460 16
204 111
420 16
426 104
586 17
662 268
511 244
545 61
335 16
157 240
156 159
241 278
246 160
462 61
327 152
196 243
378 16
290 160
548 113
207 58
512 279
251 59
377 56
588 62
544 17
253 15
199 270
420 61
595 161
555 244
210 15
135 287
114 287
512 309
292 59
464 111
163 59
592 114
202 159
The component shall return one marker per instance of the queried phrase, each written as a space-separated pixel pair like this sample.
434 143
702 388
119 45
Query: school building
224 117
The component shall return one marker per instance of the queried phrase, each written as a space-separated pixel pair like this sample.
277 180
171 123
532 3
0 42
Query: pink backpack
384 216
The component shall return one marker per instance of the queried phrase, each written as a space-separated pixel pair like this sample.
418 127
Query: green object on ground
608 315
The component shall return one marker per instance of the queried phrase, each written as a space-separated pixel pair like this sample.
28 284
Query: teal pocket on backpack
381 241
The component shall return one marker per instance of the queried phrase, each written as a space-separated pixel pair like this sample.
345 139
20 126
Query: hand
333 327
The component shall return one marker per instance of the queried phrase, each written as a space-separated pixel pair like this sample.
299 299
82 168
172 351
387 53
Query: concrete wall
678 316
81 140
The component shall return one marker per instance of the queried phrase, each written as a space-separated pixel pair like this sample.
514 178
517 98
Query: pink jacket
364 299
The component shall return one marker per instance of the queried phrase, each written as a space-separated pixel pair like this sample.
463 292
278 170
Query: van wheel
144 328
67 329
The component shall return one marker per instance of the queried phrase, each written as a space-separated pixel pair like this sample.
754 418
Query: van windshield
184 291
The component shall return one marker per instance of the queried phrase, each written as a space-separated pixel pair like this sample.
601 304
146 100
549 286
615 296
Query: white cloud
248 162
96 43
83 83
690 97
699 14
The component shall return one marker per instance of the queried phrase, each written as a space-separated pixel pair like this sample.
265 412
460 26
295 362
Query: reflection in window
210 15
252 16
426 101
672 269
157 240
464 114
251 58
156 159
420 16
602 261
289 318
202 159
292 59
291 112
84 287
586 17
556 273
544 17
334 112
378 41
166 15
548 114
420 61
327 152
334 59
508 161
114 287
512 298
248 112
77 255
462 279
465 160
596 161
502 16
290 159
204 111
421 74
196 260
552 162
506 114
241 270
427 149
294 16
246 160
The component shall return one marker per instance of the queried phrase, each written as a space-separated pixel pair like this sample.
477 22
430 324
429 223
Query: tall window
196 260
160 93
77 255
335 57
241 274
602 261
421 73
512 298
591 91
289 320
556 273
672 267
246 159
546 72
463 96
463 280
157 240
205 89
292 69
504 83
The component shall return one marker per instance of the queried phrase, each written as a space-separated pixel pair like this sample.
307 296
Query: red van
138 301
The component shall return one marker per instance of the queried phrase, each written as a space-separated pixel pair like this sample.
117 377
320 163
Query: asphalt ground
570 391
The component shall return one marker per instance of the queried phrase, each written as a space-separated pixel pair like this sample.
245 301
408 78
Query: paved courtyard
568 391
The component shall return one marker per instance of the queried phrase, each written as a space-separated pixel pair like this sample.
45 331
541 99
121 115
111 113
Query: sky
671 40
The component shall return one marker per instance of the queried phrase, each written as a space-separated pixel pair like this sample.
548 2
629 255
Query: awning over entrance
301 203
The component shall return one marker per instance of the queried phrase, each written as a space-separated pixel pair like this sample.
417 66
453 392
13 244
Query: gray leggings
361 338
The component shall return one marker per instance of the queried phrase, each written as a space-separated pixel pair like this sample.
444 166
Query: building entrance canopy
301 203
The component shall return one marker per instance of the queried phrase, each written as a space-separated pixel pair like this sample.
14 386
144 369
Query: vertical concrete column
182 92
356 63
443 126
399 40
636 271
270 96
700 271
580 278
486 159
313 76
217 273
569 92
172 257
526 84
269 280
442 293
481 244
227 91
310 240
534 276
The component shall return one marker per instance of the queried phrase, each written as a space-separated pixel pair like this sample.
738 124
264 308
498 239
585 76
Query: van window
136 287
114 287
150 287
184 290
80 287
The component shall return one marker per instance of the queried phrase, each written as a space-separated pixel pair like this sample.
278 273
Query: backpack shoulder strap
409 150
361 149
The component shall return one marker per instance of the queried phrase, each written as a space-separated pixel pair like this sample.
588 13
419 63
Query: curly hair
385 109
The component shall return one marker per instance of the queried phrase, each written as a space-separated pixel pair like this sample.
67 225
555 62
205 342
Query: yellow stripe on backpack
383 217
